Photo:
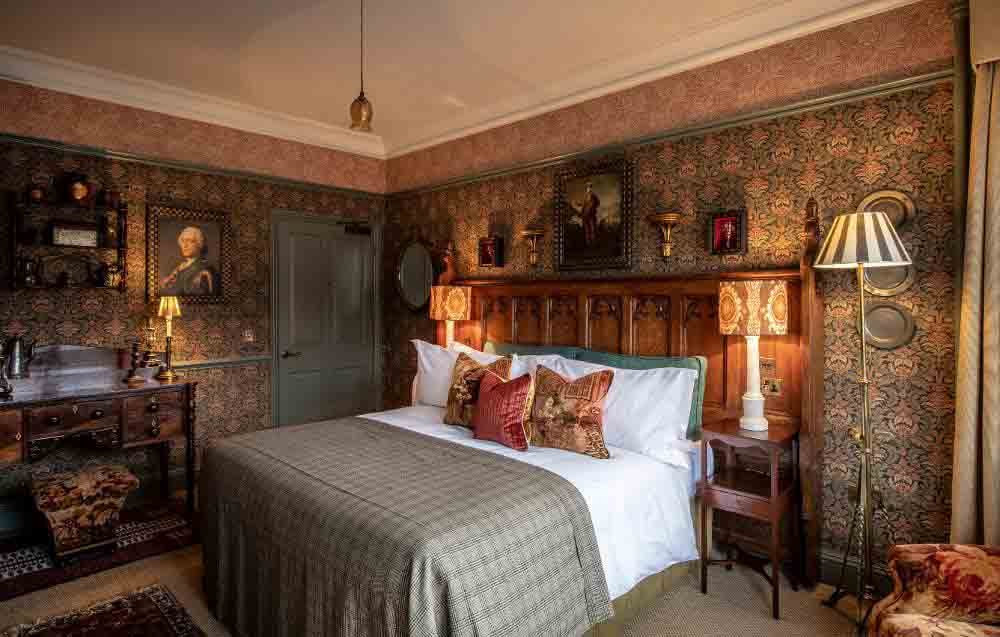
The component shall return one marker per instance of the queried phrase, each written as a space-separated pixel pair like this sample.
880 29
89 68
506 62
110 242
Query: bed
395 523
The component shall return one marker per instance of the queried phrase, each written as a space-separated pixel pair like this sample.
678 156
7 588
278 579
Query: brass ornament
665 221
532 234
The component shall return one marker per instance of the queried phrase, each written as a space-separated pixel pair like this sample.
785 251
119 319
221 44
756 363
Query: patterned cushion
911 625
464 390
503 410
568 414
82 508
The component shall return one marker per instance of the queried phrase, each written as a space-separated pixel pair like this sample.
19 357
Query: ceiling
435 69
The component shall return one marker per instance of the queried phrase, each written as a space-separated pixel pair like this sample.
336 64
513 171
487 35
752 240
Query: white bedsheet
640 507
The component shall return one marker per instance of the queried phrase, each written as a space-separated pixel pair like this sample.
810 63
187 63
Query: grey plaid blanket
355 527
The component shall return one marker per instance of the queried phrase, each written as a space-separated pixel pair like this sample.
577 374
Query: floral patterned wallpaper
837 155
230 399
913 39
29 111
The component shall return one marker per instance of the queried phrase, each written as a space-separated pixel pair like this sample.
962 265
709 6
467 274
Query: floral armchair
941 590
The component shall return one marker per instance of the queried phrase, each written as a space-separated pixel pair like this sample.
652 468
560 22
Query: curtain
976 477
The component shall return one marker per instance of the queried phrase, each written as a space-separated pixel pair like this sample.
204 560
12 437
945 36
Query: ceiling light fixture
361 109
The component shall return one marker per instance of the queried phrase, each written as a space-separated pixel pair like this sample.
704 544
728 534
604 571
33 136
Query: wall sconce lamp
532 234
665 221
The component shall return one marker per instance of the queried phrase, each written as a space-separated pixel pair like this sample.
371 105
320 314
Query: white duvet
640 507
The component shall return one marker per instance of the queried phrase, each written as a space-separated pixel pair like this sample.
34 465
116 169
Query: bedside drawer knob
98 413
54 421
18 437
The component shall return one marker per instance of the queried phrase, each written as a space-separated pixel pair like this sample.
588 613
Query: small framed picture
188 254
727 232
491 252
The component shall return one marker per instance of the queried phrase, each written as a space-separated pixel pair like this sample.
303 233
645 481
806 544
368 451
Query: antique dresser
75 397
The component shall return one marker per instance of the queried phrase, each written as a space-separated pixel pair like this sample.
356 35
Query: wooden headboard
676 316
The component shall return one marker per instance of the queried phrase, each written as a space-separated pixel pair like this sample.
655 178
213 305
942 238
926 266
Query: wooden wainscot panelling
678 316
564 326
529 319
699 336
498 320
649 326
604 323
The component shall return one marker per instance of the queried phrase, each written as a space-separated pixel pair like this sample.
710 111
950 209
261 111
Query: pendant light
361 109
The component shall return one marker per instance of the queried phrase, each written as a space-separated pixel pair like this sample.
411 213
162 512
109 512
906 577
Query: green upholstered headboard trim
506 349
697 363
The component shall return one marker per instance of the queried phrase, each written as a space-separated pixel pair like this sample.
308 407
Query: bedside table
762 496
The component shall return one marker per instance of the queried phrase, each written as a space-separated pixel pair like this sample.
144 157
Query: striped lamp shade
866 238
451 303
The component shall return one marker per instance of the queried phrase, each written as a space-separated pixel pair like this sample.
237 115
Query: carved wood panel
604 323
529 320
498 324
650 326
700 337
564 324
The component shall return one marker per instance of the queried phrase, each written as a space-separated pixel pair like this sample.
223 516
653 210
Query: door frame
376 223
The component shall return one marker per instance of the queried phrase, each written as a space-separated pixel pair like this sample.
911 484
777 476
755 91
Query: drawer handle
154 429
98 413
54 421
153 408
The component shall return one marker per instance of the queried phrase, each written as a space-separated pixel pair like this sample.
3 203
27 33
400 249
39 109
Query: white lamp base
753 413
753 401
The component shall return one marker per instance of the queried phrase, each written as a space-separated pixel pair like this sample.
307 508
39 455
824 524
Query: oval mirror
415 275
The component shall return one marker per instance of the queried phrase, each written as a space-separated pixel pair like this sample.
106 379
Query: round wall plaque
897 205
889 324
889 281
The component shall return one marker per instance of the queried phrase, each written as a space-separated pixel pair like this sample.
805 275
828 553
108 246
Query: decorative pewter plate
897 205
889 281
889 324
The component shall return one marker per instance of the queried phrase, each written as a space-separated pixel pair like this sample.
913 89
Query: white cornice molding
43 71
741 34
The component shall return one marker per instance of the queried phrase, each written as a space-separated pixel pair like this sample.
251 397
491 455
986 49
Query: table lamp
753 309
169 308
857 240
450 303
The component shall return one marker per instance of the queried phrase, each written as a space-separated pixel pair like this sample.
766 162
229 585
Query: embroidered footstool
82 507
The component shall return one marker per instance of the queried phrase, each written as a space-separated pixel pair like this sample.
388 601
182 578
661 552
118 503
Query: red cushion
502 410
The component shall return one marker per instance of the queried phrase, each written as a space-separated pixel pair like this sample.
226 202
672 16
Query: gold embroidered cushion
569 414
464 390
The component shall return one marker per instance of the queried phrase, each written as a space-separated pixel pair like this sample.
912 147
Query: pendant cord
362 47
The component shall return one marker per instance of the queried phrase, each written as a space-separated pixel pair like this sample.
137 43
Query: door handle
288 354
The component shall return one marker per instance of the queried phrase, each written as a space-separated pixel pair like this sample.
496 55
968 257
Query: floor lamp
858 240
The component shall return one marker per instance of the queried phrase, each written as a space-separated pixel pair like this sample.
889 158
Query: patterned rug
140 535
148 612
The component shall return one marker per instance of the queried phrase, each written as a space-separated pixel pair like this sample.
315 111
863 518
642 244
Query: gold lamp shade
451 303
169 307
753 308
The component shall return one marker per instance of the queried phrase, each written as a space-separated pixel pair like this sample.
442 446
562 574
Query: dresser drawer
148 420
74 416
11 436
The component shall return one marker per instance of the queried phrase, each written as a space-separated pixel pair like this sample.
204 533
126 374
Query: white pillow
483 358
435 365
521 365
646 410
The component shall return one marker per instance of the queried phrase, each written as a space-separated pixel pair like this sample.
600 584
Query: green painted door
324 305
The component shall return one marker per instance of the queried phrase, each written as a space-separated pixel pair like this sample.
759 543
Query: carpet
141 534
148 612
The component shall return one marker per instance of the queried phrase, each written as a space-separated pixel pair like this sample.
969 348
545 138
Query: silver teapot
18 352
